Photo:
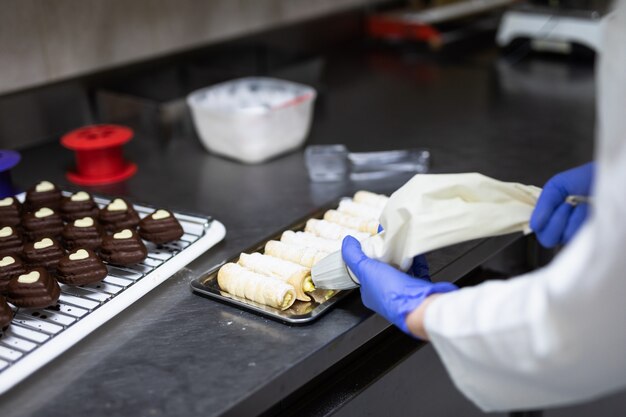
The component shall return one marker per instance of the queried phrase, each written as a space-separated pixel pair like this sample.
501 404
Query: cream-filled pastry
364 211
6 314
352 222
332 231
118 215
296 275
371 199
305 256
309 240
10 211
78 206
242 282
43 194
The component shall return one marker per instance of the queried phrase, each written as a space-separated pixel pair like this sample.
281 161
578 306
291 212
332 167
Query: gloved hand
554 221
386 290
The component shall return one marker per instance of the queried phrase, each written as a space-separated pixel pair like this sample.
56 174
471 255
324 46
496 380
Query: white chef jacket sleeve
555 336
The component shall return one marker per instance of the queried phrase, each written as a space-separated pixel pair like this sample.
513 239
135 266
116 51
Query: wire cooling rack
35 337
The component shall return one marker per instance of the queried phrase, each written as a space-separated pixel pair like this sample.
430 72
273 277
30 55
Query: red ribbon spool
99 157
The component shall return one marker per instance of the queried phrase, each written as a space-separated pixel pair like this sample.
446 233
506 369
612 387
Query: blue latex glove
389 292
554 221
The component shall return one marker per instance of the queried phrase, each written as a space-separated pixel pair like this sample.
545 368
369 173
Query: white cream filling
43 212
7 260
44 186
117 205
124 234
43 243
79 255
29 278
84 222
161 214
80 196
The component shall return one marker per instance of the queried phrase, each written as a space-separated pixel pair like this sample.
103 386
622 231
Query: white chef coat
558 335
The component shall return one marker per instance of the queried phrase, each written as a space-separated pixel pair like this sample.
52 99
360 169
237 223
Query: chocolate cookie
123 248
160 227
10 266
44 194
6 314
82 233
11 241
78 206
10 211
80 268
34 289
118 215
43 253
41 223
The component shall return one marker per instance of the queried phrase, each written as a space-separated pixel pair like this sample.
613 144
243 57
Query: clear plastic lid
327 163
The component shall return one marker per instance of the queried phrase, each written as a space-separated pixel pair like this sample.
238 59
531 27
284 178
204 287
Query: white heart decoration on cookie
44 186
43 212
117 205
29 278
5 202
7 260
161 214
43 243
79 255
80 196
6 231
124 234
84 222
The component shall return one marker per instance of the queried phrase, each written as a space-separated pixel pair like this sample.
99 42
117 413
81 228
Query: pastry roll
352 222
376 200
305 256
262 289
296 275
309 240
332 231
359 210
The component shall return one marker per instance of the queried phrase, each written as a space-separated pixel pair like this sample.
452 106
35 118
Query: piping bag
433 211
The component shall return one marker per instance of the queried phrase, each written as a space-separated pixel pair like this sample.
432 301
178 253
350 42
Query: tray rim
200 289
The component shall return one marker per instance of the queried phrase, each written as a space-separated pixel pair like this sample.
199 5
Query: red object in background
99 157
394 28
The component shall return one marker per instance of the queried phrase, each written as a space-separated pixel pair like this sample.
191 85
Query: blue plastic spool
8 159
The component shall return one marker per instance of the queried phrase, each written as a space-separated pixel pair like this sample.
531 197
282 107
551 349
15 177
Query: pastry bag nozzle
331 273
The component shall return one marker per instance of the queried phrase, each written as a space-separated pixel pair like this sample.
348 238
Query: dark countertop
174 353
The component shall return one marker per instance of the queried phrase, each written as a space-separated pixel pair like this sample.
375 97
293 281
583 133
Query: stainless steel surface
175 354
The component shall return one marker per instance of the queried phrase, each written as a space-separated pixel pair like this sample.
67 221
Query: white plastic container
252 119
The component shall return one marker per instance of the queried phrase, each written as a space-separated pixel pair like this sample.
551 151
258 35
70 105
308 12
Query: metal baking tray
300 312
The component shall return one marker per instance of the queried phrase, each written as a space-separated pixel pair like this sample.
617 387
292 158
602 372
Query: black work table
175 353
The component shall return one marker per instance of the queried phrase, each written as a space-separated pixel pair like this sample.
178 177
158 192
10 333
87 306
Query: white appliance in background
552 28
